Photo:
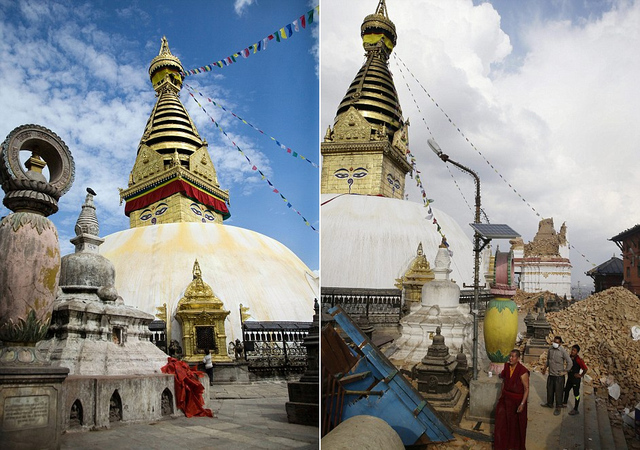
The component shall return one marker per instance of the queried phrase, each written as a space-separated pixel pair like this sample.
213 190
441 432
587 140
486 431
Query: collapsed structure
543 264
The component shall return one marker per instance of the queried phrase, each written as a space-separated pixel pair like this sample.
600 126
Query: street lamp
476 248
481 232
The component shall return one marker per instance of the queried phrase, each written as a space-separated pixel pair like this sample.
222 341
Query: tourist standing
208 365
557 357
574 377
510 430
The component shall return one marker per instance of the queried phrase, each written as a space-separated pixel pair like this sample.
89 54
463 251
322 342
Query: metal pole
476 250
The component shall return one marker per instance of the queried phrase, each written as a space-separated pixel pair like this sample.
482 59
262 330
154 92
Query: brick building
629 242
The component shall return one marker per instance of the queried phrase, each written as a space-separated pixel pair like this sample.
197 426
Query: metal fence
382 307
275 347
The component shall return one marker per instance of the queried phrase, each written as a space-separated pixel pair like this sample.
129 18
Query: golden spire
378 27
173 178
165 64
365 152
372 92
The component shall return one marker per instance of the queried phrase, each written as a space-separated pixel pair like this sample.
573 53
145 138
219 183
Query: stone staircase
594 431
590 430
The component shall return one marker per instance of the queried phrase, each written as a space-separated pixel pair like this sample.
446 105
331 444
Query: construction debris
601 325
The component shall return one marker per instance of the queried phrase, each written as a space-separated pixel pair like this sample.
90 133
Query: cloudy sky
80 68
547 92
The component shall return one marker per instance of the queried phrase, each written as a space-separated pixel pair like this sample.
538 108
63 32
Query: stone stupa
114 368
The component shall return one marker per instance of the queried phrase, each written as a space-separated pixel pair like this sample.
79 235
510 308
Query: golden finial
381 9
196 270
164 47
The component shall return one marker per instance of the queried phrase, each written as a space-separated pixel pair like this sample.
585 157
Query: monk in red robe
511 412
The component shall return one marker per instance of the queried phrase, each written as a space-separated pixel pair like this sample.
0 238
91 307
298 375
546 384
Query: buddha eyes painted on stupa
393 182
206 214
146 214
156 210
196 209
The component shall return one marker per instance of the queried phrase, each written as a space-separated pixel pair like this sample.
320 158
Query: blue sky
80 69
545 89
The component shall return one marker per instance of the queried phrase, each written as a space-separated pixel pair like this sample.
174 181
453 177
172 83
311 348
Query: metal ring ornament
24 192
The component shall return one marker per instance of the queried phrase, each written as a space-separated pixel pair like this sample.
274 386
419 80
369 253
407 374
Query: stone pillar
30 388
302 407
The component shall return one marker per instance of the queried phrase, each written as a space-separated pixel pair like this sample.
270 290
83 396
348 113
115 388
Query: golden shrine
173 178
202 317
418 273
365 152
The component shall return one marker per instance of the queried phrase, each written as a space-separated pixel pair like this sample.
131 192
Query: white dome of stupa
154 266
369 241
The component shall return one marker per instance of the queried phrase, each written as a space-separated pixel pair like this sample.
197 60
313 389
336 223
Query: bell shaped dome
154 266
370 241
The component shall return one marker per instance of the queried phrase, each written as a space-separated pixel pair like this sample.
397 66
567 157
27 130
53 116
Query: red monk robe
511 425
188 388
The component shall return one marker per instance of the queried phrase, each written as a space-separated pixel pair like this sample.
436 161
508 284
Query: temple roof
612 267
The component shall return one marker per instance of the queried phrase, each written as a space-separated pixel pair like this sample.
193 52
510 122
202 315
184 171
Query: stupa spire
365 152
173 178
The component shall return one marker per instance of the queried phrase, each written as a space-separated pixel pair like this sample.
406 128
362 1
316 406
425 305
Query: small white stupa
440 308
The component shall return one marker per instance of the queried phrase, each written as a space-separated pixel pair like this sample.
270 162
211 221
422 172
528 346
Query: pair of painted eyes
393 183
147 213
360 172
207 214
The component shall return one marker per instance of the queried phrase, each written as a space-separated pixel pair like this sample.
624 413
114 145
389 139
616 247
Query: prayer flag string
396 57
279 35
422 116
278 143
253 166
426 200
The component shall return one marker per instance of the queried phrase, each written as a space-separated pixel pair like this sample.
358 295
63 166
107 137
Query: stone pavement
546 431
247 416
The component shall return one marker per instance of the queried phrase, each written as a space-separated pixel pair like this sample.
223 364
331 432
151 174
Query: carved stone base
483 397
95 402
533 350
31 405
450 405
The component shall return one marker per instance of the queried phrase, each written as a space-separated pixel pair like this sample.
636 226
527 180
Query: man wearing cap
559 362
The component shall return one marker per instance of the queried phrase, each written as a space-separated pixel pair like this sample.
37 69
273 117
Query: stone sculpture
29 249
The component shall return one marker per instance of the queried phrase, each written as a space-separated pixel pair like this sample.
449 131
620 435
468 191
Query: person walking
510 431
557 358
208 365
574 377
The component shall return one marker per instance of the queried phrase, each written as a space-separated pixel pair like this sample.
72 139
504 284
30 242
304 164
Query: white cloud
241 6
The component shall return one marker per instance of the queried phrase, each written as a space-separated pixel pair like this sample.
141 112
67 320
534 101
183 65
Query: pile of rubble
527 301
601 324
